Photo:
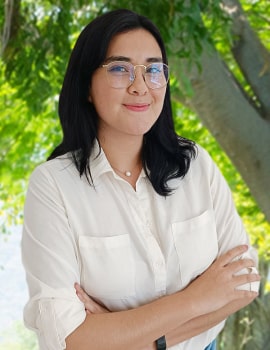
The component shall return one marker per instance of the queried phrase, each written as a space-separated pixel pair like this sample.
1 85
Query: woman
138 216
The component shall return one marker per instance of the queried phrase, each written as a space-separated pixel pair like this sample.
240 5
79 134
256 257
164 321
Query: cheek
104 101
106 104
98 91
98 94
159 98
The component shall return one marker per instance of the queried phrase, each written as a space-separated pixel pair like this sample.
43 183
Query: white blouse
125 247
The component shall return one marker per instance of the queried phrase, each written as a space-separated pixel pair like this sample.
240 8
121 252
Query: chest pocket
196 245
108 269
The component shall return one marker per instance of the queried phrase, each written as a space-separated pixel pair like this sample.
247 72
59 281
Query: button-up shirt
125 247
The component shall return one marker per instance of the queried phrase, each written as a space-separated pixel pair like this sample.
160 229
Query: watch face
161 343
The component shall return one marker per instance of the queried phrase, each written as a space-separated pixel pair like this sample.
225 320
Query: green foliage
31 73
180 22
25 140
17 337
258 14
36 58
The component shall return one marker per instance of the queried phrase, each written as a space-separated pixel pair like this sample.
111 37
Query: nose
138 86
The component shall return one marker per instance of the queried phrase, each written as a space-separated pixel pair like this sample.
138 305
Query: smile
137 107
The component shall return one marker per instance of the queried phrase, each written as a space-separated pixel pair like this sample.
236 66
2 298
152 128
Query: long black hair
165 155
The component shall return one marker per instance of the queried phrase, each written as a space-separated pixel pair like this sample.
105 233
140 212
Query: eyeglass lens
122 74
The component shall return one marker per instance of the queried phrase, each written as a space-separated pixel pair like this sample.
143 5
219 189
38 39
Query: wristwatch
161 343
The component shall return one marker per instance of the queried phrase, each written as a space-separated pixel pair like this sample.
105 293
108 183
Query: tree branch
237 126
11 24
250 54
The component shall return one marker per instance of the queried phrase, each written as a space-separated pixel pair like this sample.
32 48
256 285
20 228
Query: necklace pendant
128 173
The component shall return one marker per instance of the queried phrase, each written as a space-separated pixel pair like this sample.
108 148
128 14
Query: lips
137 107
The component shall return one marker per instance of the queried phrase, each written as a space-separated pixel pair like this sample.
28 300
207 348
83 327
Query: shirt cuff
53 320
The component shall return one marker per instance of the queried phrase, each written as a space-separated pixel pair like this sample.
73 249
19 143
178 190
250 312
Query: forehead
138 45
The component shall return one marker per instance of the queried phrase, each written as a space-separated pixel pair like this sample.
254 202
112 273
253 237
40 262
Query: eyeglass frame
134 75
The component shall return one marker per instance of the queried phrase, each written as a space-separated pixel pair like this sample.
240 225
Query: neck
122 150
124 155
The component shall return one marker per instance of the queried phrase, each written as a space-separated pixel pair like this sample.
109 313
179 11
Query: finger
232 254
77 287
82 295
242 294
247 264
91 306
245 279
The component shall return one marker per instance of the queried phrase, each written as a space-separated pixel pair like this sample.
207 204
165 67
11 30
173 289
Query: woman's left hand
91 306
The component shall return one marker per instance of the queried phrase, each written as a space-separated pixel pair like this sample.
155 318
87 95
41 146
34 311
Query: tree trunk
251 56
237 126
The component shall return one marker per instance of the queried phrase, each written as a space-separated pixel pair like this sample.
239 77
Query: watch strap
161 343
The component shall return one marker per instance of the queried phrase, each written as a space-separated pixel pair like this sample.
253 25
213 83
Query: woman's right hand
217 286
91 306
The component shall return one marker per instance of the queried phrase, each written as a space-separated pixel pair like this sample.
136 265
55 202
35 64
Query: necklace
126 173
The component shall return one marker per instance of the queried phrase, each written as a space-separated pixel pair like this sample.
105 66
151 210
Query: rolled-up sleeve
50 259
230 228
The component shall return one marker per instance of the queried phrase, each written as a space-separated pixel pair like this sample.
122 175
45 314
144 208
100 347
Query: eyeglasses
122 74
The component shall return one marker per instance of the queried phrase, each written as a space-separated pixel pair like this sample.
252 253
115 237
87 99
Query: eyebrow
127 59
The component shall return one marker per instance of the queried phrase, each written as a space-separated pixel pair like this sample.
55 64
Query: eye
118 68
155 68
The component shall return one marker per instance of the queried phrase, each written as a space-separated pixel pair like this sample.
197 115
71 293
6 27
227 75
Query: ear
90 98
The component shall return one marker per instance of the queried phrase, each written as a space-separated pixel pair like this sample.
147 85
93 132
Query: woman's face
128 111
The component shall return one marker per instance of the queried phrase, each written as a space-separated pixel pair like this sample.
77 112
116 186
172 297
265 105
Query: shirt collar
99 163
